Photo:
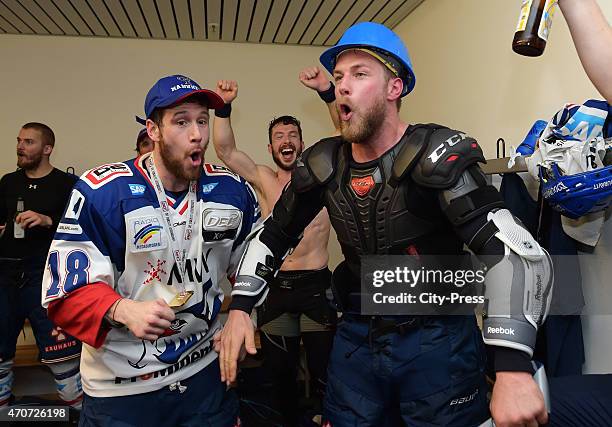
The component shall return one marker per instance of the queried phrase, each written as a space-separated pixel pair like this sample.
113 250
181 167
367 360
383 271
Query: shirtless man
296 306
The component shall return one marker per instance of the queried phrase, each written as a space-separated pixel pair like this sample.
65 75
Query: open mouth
287 153
345 112
196 158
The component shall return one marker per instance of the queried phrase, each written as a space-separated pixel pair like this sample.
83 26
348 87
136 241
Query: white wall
88 90
469 78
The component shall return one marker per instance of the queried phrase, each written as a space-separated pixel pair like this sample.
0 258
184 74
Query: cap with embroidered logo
171 90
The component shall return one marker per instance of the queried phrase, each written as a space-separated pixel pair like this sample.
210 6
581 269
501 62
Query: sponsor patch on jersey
208 188
75 204
69 228
217 170
220 224
362 185
146 234
101 175
137 189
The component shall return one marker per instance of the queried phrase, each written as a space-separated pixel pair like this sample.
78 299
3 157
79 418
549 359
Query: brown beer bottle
533 27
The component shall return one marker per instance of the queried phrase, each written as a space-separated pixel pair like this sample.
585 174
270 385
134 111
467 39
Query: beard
175 164
359 131
29 162
284 166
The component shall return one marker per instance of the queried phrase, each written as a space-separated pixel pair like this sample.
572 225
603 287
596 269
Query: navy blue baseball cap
172 90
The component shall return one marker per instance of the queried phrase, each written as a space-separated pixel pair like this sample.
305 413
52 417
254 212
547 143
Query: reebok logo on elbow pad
500 330
242 285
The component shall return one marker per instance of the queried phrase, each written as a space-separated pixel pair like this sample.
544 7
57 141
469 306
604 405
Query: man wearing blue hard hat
135 268
397 189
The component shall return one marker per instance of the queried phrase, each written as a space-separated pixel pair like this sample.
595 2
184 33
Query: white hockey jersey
113 232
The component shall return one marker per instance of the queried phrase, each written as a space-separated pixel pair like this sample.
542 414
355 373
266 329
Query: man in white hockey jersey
135 267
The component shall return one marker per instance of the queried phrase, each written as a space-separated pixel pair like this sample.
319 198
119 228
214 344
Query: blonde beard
373 119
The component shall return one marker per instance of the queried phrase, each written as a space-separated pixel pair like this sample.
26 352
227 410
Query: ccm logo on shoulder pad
450 142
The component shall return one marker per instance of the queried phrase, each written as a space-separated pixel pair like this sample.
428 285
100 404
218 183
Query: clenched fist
517 401
227 89
314 78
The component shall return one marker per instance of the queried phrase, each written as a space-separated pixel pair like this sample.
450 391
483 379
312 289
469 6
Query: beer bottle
18 231
533 27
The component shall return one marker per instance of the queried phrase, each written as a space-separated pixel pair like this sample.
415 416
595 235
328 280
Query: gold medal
180 299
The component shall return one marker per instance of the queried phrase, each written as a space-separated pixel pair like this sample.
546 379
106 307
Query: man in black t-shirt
32 201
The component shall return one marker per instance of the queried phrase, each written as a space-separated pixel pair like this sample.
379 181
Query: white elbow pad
518 289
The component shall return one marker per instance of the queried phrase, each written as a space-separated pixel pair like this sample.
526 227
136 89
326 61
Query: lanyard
179 254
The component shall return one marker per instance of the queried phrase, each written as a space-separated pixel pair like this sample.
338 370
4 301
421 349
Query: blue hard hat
375 37
579 194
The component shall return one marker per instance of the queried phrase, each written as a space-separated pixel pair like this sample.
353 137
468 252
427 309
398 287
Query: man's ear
47 149
394 88
153 130
269 148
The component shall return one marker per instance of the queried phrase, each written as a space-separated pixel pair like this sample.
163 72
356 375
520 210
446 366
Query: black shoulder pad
317 164
448 154
412 150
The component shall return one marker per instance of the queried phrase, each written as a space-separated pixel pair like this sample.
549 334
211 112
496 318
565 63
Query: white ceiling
305 22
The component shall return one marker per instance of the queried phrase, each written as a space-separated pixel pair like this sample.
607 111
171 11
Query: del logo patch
99 176
221 219
146 234
220 224
362 185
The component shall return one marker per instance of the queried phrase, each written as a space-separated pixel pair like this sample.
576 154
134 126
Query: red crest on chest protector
362 185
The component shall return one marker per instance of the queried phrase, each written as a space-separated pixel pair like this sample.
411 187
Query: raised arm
592 36
225 143
314 78
267 247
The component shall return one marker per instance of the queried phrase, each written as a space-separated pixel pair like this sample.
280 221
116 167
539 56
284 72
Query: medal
180 299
